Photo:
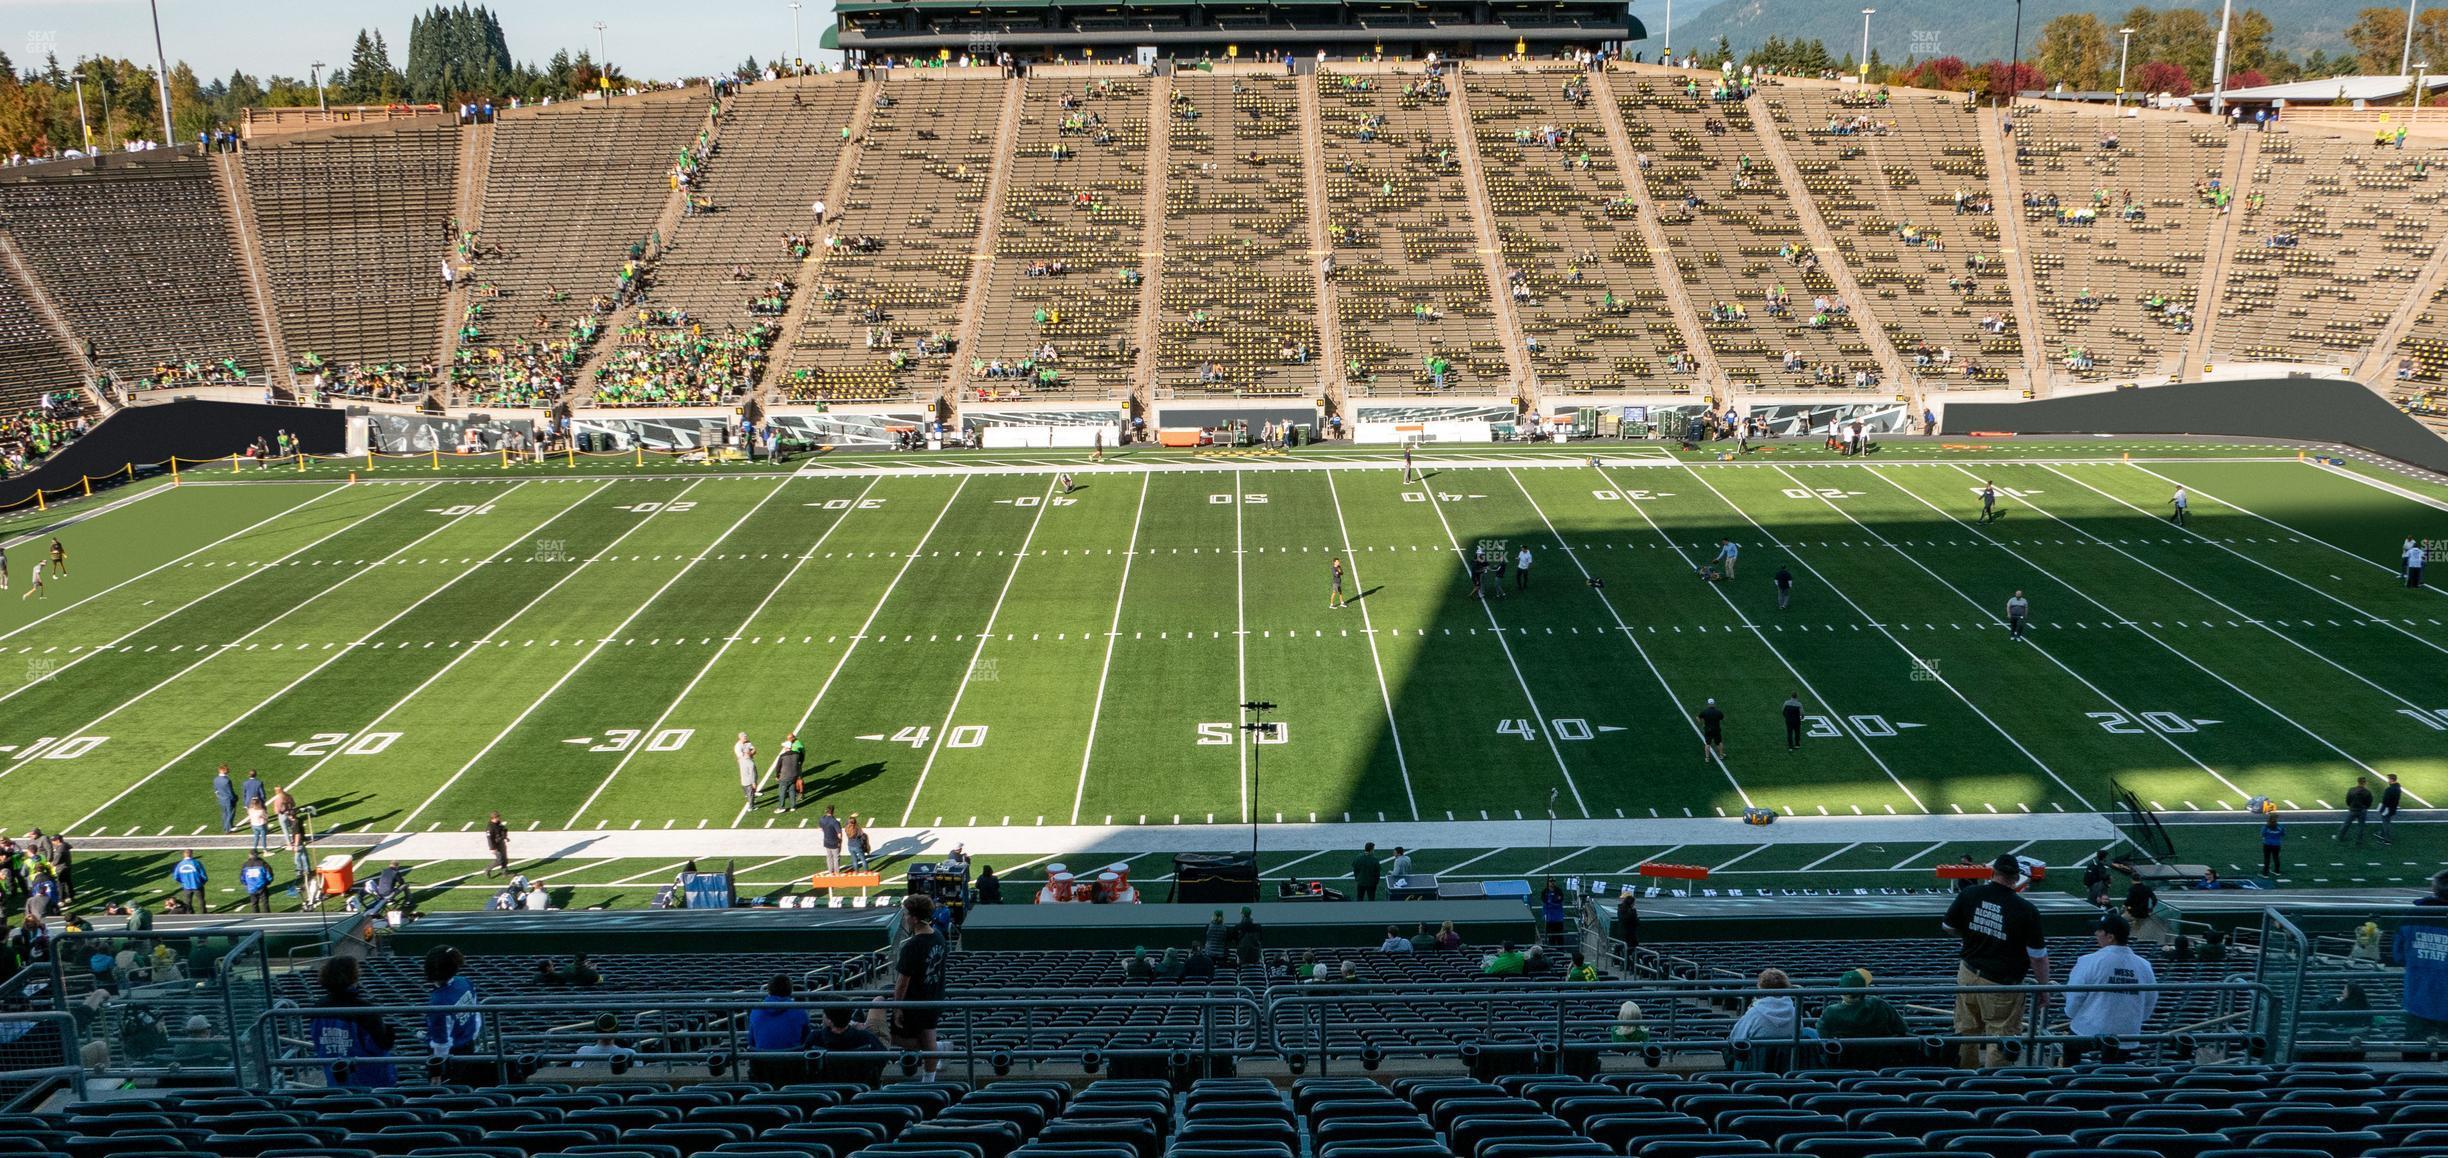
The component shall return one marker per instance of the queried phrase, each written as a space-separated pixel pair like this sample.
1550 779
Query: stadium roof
2339 89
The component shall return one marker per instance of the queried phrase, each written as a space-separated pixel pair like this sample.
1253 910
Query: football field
963 646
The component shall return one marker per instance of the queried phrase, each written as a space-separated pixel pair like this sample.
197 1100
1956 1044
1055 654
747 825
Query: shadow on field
818 789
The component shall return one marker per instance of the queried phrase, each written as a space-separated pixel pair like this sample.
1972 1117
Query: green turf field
970 653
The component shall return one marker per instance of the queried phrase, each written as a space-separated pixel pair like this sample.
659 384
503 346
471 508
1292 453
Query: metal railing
2340 983
1566 1023
515 1038
140 1009
38 1057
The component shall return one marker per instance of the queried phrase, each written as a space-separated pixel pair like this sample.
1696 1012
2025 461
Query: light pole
317 72
603 63
795 56
2014 71
2124 51
2407 53
2218 62
161 75
1666 45
2421 69
83 126
1867 13
1259 730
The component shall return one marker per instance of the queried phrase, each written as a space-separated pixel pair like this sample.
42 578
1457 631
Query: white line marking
1754 850
1560 860
1241 716
1829 857
1625 630
1905 863
984 634
1113 633
600 644
1368 627
2305 535
1547 733
719 652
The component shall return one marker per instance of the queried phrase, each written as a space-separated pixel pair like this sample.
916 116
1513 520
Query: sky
649 38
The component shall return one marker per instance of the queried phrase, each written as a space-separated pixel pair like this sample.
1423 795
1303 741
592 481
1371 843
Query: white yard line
1455 868
1304 856
1461 559
1560 860
210 654
1756 633
2036 647
2115 616
861 635
82 515
606 641
1626 630
2225 606
673 867
2381 620
1919 664
985 635
1368 628
248 573
1739 857
34 623
476 644
1652 858
729 639
2375 484
1113 634
2306 536
1829 857
1905 863
1241 715
336 656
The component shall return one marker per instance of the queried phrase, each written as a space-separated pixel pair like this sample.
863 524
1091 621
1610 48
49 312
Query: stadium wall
191 429
2308 409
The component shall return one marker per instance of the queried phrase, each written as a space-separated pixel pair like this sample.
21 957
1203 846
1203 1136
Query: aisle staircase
1508 323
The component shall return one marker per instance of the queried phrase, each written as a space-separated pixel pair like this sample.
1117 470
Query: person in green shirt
1861 1015
1581 969
1507 962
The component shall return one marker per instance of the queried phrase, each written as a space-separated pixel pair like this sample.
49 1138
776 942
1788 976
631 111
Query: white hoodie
2120 1012
1770 1020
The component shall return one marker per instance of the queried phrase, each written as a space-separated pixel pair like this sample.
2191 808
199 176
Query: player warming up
1988 499
1334 594
1712 731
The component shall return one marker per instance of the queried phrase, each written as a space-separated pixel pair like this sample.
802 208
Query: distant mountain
1976 30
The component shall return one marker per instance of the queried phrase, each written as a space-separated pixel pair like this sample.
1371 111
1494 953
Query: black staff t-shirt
2000 931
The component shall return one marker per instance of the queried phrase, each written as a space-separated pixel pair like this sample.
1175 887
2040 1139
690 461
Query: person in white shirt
745 752
536 901
2415 555
2181 513
1521 570
1395 942
605 1047
2110 1013
1770 1025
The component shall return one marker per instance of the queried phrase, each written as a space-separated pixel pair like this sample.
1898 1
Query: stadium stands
354 225
1410 292
1070 229
2333 236
2418 369
918 191
141 262
2119 216
1903 183
35 361
1237 291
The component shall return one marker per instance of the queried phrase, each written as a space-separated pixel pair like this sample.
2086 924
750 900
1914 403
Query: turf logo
1924 670
549 551
987 671
40 668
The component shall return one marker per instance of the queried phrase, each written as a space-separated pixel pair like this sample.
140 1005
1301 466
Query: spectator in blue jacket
777 1026
189 875
452 1028
345 1034
255 878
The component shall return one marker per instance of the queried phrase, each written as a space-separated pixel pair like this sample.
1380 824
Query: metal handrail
71 1069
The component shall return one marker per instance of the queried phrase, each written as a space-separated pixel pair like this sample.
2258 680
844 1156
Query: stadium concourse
625 602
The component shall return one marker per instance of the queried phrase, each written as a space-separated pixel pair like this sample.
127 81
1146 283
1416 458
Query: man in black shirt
1793 721
2391 798
2358 811
2002 945
1627 925
918 975
1365 872
1712 731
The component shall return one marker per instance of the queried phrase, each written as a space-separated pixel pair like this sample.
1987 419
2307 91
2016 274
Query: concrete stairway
40 297
1831 258
2006 181
240 205
1661 255
981 257
1313 171
475 162
2243 151
608 341
2378 366
1151 240
837 201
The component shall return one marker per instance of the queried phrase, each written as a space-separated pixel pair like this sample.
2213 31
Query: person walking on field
829 828
2018 609
189 875
1784 587
1988 497
1793 722
745 753
59 559
1334 594
2181 508
2415 554
497 839
1712 731
225 794
789 764
1521 570
2391 799
34 588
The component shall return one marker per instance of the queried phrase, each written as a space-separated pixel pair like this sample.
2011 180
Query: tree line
455 55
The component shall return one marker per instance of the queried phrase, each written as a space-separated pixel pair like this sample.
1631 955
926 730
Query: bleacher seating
2117 236
2418 368
139 258
35 362
1074 196
1237 286
918 188
1903 183
1741 240
1408 282
2333 236
354 225
1590 305
2129 1111
537 238
778 144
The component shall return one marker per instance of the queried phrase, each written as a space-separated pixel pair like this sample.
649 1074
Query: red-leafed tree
1943 72
2161 76
2247 78
1998 76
